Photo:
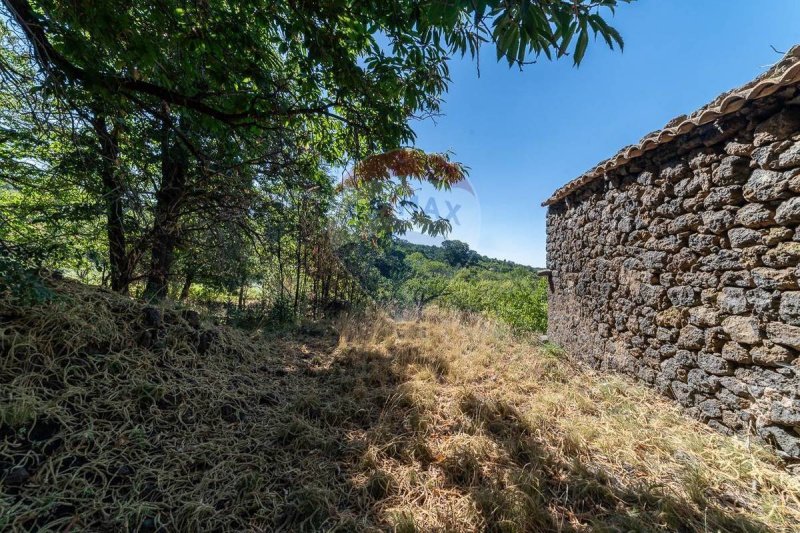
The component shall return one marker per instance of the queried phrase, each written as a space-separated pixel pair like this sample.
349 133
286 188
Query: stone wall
681 268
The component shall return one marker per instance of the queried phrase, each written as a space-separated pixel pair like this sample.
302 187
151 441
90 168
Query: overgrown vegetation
247 151
411 276
119 416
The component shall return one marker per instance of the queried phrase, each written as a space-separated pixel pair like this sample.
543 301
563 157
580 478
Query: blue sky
524 134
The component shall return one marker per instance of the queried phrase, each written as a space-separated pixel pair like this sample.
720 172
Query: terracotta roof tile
786 72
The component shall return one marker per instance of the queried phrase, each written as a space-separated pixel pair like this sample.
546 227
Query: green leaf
580 46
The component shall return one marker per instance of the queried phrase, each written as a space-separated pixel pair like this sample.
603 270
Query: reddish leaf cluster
408 163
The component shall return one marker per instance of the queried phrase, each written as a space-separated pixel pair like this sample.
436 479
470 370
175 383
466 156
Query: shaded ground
119 417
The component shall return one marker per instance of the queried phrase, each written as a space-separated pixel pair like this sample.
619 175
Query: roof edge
784 73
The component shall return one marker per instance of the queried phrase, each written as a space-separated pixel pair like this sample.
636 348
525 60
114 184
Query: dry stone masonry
678 263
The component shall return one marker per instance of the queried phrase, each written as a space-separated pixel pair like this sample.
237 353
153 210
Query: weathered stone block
789 309
646 374
733 351
702 158
766 186
719 427
731 400
764 303
714 364
770 278
789 158
652 198
735 386
736 147
786 413
794 183
674 172
666 334
691 338
703 243
670 243
717 222
741 237
723 260
670 208
778 127
647 326
750 257
732 301
682 296
701 381
669 350
732 420
771 356
788 212
672 317
651 295
710 409
715 339
773 236
704 317
682 393
737 278
760 377
682 261
786 442
672 369
645 178
784 334
653 260
742 329
687 222
785 254
765 156
732 170
709 296
755 216
690 186
719 197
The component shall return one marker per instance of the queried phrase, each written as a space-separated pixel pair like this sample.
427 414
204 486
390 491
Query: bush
520 302
19 279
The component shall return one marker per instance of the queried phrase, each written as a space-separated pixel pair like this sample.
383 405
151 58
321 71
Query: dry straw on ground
117 417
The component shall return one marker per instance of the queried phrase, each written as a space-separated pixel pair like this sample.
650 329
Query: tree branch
52 61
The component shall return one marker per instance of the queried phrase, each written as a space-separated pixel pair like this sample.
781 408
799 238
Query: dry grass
446 424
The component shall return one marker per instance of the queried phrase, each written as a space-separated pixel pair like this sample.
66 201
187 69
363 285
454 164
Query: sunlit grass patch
601 451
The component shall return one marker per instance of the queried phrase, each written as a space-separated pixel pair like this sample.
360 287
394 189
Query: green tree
164 118
457 253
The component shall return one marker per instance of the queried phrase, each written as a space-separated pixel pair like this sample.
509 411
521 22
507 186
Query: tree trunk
170 195
336 285
187 285
298 258
113 196
280 265
305 270
316 281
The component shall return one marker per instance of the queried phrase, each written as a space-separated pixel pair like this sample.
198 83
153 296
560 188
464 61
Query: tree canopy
165 145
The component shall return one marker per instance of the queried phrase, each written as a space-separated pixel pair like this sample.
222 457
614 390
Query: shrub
520 302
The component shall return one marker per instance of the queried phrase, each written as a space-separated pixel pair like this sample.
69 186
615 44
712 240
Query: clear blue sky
524 134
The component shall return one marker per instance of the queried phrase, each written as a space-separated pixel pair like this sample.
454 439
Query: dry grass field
119 417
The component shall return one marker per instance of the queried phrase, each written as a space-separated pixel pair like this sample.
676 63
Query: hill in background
453 276
459 254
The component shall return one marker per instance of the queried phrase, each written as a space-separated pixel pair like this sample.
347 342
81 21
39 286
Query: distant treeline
452 275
